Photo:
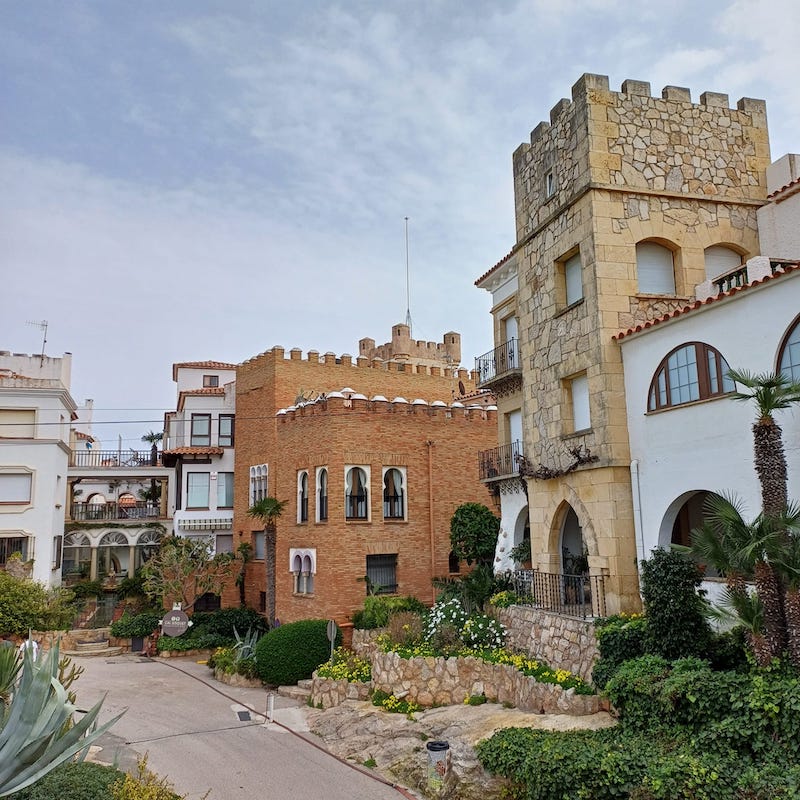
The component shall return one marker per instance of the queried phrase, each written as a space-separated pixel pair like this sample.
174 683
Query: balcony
115 458
499 462
500 369
580 596
96 512
744 275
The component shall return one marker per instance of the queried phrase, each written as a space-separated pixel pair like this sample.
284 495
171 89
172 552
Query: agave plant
37 732
245 646
10 665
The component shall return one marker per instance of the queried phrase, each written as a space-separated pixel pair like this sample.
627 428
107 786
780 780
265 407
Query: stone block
641 88
714 100
677 93
589 82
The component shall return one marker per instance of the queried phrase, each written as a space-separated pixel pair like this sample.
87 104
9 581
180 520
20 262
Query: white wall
707 445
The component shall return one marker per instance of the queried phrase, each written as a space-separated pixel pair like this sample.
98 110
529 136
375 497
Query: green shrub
346 665
504 599
73 781
393 704
405 627
140 625
145 785
635 688
227 620
676 622
201 641
378 608
292 652
85 589
131 587
619 639
23 605
223 659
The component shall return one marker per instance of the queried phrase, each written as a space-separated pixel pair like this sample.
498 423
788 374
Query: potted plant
521 553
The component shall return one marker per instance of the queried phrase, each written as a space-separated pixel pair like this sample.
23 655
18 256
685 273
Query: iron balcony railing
581 596
115 458
355 506
738 276
499 461
393 506
498 362
88 512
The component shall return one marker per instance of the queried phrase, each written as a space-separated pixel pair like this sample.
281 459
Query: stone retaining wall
328 692
364 642
450 681
561 642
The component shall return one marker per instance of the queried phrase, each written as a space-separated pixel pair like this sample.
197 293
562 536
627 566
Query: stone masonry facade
611 170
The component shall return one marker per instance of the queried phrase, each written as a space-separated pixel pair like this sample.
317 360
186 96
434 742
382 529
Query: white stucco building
36 409
199 444
688 437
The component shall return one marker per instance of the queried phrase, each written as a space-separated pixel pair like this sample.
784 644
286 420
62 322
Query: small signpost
175 622
332 634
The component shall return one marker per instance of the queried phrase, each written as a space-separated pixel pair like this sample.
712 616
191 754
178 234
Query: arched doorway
113 553
574 556
684 515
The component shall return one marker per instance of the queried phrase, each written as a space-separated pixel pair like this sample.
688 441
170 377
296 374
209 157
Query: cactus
37 732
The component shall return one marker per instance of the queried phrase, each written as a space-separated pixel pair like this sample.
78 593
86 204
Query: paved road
192 729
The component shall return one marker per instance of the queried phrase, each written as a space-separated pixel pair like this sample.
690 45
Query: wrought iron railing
580 596
88 512
355 506
115 458
499 461
393 506
498 362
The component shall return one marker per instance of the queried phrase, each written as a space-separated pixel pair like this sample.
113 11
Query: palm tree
153 438
771 392
741 551
785 556
268 509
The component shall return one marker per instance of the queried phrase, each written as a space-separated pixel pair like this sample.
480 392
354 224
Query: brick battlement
336 403
278 353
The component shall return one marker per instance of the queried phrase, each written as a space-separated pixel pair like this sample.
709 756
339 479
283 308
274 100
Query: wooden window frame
704 391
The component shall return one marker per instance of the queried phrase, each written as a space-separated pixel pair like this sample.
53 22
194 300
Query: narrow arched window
655 269
394 506
693 371
322 495
356 493
302 496
789 356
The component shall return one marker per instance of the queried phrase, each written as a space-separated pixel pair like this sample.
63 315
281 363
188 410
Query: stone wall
561 642
327 692
450 681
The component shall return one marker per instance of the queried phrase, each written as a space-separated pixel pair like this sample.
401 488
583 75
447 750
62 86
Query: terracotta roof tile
795 182
200 365
678 312
496 266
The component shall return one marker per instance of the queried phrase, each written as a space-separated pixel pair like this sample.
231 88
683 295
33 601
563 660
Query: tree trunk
769 593
269 560
770 464
792 608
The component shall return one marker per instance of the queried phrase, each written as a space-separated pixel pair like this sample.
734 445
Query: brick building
372 457
625 202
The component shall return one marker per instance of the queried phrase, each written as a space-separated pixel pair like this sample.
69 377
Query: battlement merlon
413 366
444 354
631 140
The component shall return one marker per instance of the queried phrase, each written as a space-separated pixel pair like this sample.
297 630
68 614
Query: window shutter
655 269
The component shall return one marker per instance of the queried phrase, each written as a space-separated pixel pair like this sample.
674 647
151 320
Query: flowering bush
448 614
345 666
393 704
504 599
481 630
538 670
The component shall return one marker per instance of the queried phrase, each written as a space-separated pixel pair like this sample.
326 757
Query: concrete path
205 736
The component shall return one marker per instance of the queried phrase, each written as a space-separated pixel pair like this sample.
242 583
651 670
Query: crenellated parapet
632 140
346 401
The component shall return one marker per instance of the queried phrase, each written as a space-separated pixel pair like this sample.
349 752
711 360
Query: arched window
720 260
655 269
693 371
394 506
302 496
789 357
322 494
356 493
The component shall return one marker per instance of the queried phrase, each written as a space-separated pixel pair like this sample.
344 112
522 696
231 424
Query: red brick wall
376 435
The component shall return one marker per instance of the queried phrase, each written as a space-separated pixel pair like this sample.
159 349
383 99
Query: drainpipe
638 524
430 517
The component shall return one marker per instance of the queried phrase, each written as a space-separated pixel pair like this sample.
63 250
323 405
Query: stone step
91 645
96 649
295 692
305 683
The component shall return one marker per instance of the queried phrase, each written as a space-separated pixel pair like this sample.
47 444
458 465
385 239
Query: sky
193 180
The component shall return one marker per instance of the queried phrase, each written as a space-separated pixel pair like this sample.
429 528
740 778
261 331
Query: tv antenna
42 326
408 286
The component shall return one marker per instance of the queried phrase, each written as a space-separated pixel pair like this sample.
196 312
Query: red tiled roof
200 365
496 266
787 268
214 391
795 182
